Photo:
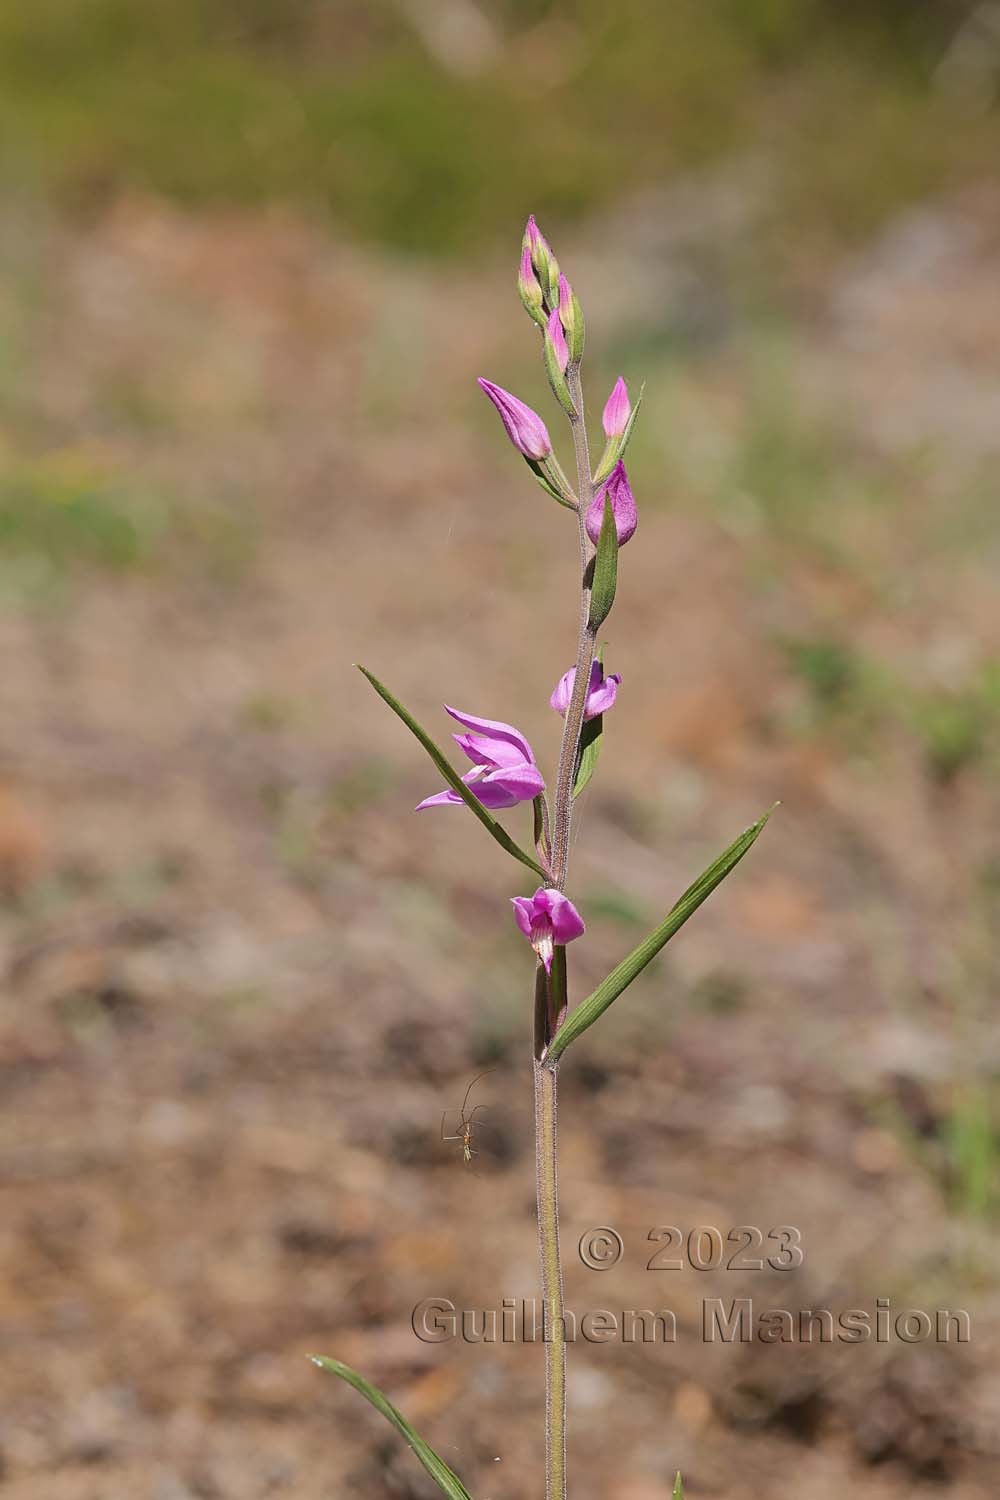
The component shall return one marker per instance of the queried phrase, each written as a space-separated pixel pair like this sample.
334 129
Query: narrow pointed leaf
587 1012
615 448
590 749
453 779
678 1487
605 582
590 746
445 1478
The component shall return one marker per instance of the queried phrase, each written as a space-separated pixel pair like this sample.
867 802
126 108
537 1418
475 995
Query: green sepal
605 580
445 1478
621 977
578 332
557 380
533 306
550 489
615 448
452 777
548 275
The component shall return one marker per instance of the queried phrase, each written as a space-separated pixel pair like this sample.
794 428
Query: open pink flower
504 771
623 506
523 426
547 918
601 692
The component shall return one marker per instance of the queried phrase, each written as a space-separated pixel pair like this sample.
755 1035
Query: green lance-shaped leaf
590 749
605 581
678 1492
621 977
446 1479
615 448
452 777
590 746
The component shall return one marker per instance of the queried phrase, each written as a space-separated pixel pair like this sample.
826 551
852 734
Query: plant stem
552 1284
550 1005
562 814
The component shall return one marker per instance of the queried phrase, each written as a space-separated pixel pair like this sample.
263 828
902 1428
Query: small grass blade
451 776
446 1479
620 978
678 1492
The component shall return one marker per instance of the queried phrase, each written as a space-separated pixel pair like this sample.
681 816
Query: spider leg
472 1085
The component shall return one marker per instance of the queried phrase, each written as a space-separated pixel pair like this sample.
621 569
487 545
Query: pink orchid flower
601 692
504 771
547 918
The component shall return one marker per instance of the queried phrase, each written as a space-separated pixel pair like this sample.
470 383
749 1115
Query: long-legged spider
468 1121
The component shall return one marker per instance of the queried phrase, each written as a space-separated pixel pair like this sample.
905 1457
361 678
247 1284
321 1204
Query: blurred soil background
252 256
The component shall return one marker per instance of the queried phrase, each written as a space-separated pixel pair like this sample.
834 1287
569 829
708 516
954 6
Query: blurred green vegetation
72 511
378 115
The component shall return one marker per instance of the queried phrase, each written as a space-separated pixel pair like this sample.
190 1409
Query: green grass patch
347 109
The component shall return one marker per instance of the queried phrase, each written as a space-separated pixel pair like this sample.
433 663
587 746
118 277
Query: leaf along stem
451 776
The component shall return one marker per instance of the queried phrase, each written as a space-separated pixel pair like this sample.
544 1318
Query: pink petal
567 923
563 691
521 783
494 729
489 752
603 697
523 911
440 799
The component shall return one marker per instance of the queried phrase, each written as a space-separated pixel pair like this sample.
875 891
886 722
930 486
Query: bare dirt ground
241 980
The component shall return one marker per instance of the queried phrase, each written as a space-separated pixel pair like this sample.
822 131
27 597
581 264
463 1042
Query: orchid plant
504 773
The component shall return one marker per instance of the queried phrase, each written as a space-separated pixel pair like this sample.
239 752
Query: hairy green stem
550 995
552 1283
562 814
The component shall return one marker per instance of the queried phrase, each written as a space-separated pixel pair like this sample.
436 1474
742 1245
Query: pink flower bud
617 410
523 426
618 490
566 316
529 288
557 338
543 261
